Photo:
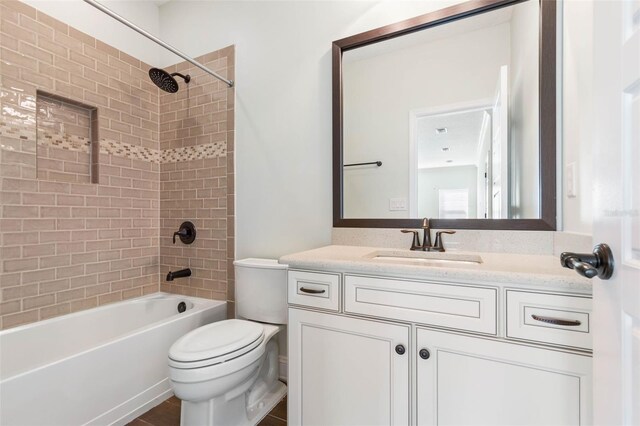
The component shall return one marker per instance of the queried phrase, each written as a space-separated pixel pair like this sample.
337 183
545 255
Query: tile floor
168 414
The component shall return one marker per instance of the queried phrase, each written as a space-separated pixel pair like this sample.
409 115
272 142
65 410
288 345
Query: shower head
165 81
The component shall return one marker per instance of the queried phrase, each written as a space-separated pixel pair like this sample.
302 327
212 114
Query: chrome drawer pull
556 321
311 291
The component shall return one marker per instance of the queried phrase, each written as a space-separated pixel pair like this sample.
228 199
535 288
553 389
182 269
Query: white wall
524 112
380 91
578 112
283 105
90 20
430 181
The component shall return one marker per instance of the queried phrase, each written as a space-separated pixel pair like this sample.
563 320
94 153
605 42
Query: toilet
226 372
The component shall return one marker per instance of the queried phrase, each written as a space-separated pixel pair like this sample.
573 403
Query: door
346 371
617 211
500 148
464 380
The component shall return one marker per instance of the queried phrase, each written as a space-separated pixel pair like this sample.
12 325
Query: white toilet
226 373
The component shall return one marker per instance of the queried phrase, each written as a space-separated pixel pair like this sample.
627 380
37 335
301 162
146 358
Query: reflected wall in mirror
455 114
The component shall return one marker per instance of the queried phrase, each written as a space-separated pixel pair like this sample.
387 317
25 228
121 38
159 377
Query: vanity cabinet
480 381
399 351
347 371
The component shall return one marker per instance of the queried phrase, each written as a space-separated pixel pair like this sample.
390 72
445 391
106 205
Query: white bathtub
101 366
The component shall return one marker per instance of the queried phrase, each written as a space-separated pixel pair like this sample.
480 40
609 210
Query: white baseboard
284 368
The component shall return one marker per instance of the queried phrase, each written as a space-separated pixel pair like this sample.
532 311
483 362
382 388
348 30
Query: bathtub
102 366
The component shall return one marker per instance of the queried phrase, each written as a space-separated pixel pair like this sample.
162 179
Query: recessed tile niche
67 140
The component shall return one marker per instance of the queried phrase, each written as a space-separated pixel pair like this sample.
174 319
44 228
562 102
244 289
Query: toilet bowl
226 373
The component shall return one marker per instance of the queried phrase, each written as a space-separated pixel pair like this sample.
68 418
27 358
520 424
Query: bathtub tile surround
66 244
194 138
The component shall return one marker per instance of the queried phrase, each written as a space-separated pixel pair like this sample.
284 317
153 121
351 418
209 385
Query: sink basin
424 258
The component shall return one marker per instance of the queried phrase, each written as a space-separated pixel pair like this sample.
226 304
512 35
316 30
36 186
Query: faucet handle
439 246
415 244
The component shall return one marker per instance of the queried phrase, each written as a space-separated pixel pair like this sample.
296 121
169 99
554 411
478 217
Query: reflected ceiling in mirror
452 113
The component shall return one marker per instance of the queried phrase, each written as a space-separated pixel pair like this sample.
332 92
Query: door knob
600 263
424 353
400 350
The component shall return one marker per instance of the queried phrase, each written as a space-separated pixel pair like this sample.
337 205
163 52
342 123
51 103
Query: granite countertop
502 269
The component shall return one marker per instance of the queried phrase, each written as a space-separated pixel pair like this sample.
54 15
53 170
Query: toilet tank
261 290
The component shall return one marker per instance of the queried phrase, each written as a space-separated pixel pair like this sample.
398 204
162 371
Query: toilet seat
215 343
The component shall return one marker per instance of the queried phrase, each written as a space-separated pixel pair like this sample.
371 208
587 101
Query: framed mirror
451 116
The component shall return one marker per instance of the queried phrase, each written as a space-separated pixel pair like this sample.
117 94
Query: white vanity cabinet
463 380
400 351
347 371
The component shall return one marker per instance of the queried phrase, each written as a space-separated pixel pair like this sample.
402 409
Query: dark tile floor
168 414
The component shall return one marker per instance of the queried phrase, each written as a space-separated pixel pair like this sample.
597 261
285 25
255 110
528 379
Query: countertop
501 269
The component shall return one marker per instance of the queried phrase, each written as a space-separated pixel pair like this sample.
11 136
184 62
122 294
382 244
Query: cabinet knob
400 350
424 354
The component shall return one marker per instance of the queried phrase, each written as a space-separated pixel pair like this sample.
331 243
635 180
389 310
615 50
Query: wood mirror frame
547 116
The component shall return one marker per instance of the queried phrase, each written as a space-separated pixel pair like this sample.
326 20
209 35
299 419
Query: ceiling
461 139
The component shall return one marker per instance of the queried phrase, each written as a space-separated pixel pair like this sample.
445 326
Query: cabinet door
346 371
475 381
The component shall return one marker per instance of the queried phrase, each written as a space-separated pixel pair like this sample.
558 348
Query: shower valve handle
187 233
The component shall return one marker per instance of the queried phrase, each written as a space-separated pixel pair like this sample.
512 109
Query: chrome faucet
426 237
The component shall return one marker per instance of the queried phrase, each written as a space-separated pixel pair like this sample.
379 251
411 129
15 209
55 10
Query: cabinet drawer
454 306
315 289
549 318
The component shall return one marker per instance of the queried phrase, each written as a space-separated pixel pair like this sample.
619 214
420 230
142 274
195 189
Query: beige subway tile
97 289
38 199
20 211
83 281
69 295
55 261
36 53
54 236
38 301
35 250
19 32
10 307
55 286
79 305
70 271
20 238
21 318
110 298
51 22
55 310
54 212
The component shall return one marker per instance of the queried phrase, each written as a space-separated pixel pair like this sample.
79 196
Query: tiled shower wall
66 245
195 133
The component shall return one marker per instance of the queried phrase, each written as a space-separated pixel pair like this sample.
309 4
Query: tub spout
182 273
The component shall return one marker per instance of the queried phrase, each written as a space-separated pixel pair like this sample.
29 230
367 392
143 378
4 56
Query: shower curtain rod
156 40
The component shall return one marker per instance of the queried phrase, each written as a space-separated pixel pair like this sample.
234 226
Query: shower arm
157 40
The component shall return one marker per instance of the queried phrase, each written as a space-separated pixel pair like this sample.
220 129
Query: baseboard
284 368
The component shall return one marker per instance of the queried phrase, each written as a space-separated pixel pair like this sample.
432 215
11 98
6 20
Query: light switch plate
397 204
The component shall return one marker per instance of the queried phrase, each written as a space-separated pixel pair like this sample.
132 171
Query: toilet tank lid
260 263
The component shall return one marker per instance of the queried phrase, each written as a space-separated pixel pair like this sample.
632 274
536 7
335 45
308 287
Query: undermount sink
424 258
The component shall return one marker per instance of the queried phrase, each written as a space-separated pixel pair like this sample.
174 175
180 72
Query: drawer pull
556 321
311 290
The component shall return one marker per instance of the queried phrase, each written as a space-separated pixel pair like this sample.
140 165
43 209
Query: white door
346 371
617 211
500 148
471 381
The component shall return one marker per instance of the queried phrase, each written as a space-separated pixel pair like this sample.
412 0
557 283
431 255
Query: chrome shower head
165 81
